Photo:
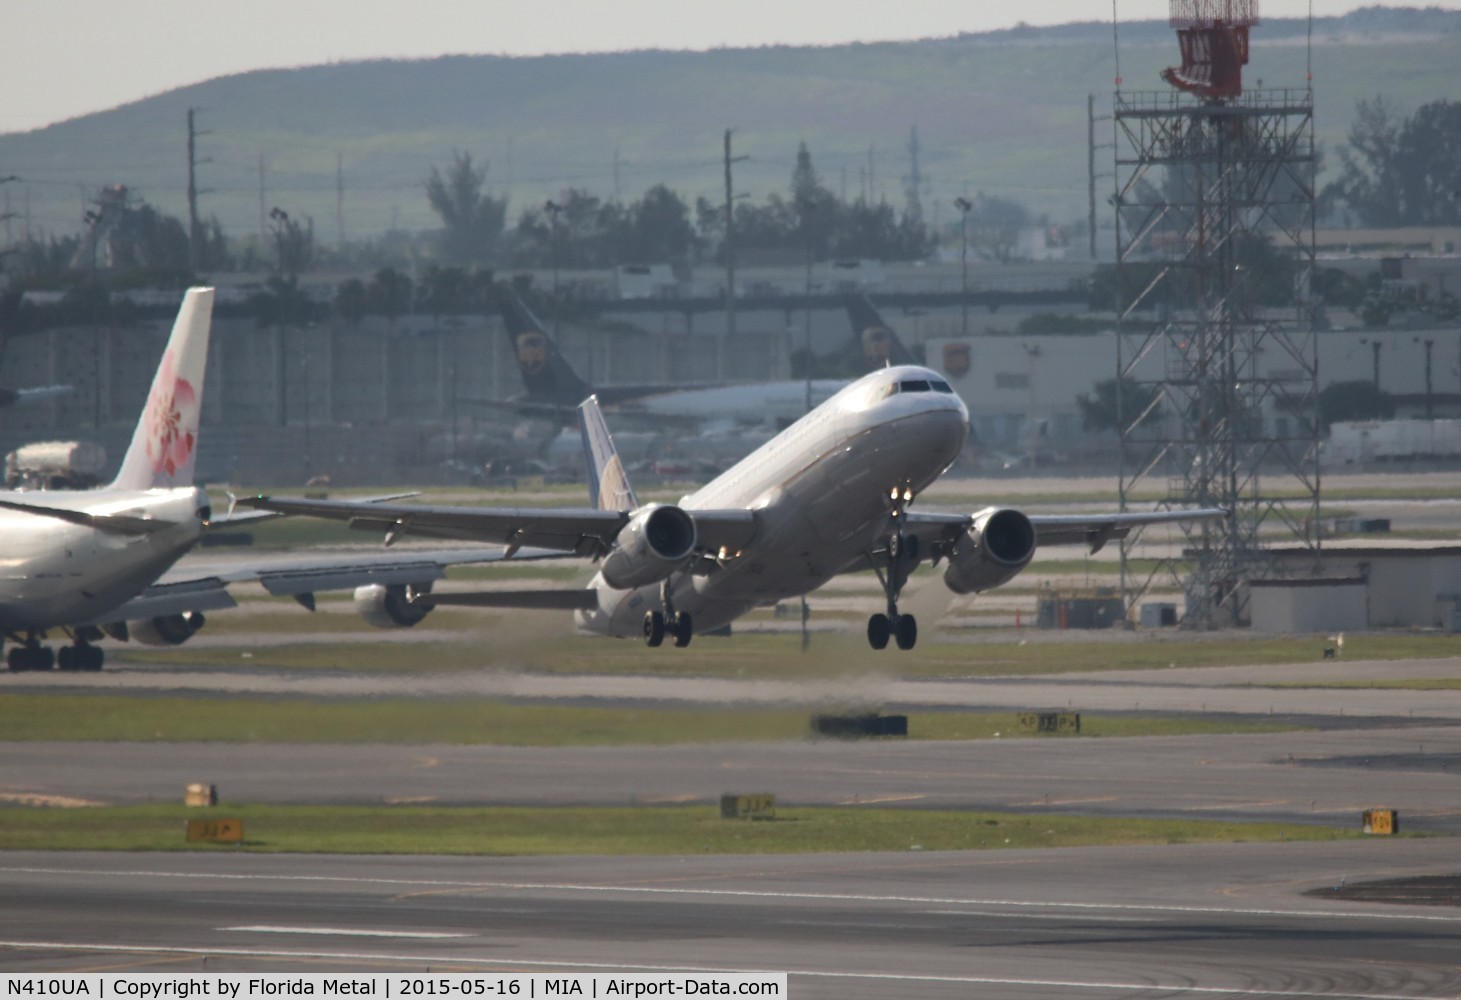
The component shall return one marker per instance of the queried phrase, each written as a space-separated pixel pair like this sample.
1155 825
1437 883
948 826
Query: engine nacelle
388 605
993 551
166 630
654 544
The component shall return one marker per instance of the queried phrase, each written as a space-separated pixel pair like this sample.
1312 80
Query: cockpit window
942 386
914 385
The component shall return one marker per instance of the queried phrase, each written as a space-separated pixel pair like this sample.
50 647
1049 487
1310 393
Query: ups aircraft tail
546 374
164 446
878 343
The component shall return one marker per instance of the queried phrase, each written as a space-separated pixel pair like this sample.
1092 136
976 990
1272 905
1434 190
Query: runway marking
344 932
1066 802
835 897
881 799
554 964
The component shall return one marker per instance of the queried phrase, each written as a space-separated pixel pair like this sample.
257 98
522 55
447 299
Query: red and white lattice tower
1217 367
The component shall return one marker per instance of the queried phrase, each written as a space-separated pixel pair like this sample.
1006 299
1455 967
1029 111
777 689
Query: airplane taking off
829 495
88 562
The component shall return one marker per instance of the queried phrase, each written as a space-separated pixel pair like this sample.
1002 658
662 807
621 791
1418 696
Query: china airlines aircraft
831 494
88 562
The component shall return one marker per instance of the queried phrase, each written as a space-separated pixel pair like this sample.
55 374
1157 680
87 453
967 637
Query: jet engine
166 630
996 547
388 605
655 543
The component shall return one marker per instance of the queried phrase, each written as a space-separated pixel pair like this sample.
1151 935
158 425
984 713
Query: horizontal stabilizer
541 600
119 524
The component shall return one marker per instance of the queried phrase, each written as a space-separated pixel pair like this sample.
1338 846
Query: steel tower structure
1217 386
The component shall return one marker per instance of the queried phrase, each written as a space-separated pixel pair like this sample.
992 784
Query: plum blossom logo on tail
172 420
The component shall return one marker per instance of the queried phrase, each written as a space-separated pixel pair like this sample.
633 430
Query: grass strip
124 718
644 830
540 642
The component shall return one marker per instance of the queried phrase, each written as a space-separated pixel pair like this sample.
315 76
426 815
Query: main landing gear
902 558
677 624
29 654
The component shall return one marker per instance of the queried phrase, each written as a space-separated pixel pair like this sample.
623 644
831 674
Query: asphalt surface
1198 921
1329 777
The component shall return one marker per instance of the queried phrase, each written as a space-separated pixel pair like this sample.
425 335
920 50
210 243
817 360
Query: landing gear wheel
906 631
683 628
31 657
878 631
654 628
81 656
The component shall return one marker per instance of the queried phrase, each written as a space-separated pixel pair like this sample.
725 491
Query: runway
1317 777
1225 921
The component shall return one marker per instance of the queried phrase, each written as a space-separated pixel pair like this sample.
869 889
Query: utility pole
340 197
1091 169
195 231
963 205
729 247
263 212
915 177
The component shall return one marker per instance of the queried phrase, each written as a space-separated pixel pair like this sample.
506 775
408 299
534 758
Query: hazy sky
63 58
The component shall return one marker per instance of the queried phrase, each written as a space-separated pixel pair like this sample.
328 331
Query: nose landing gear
902 558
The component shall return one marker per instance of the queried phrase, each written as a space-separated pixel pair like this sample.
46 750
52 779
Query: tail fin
165 445
546 375
608 483
879 344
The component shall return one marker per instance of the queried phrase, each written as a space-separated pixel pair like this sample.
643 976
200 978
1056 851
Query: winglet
880 346
608 483
164 446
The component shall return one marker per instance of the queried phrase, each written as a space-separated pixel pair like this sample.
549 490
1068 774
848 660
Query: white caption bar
397 986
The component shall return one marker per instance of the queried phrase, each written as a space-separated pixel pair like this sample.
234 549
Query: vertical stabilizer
880 345
608 483
164 447
546 374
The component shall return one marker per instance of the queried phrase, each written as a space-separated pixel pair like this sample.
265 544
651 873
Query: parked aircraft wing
204 587
581 599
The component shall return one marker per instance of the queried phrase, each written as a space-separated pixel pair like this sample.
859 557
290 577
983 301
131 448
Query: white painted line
344 932
1397 914
1101 986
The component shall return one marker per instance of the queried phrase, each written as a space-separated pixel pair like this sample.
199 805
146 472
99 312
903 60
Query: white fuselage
55 574
820 490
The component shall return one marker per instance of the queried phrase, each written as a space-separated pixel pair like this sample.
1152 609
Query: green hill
1002 113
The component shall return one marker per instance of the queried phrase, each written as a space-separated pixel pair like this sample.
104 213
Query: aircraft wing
579 530
582 531
200 586
1093 530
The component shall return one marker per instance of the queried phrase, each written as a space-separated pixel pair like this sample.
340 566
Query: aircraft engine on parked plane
166 630
389 605
653 545
996 547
